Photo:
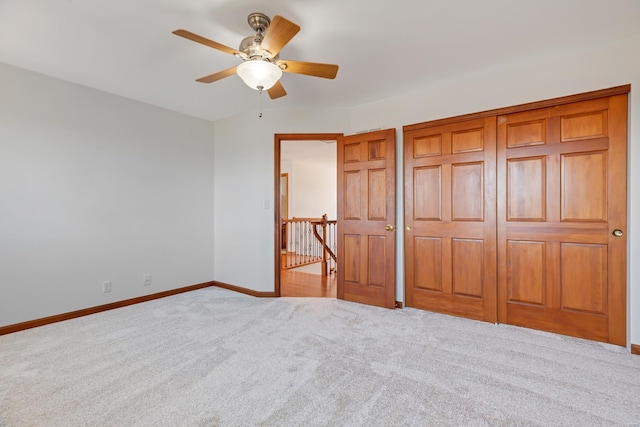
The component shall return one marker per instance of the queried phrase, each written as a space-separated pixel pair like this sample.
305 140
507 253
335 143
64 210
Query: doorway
305 164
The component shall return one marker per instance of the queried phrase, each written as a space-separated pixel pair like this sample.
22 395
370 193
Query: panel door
366 218
561 195
450 219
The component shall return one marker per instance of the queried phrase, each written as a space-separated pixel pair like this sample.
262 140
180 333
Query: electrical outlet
106 286
146 280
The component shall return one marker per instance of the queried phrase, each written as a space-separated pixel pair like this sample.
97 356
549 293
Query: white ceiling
383 48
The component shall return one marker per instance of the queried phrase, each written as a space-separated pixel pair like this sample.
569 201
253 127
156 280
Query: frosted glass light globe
256 73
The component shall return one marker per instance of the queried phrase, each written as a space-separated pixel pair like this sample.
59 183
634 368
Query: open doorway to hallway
306 257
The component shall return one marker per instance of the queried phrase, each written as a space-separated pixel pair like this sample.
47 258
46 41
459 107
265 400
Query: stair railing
325 232
309 240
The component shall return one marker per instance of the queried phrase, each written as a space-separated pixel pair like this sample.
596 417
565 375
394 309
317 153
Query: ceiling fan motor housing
250 45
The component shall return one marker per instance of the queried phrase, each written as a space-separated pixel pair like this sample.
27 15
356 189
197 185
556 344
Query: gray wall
96 187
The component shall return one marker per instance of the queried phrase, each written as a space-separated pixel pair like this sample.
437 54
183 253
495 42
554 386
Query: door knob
390 227
408 227
617 232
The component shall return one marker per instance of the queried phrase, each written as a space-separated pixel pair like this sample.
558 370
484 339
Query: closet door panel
561 195
450 237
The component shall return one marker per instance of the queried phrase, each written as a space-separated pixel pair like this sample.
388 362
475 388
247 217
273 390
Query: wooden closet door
450 218
561 196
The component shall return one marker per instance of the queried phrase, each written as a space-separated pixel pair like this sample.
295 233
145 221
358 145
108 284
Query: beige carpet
217 358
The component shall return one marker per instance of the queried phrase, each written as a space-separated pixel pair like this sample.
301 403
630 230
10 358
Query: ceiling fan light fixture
259 74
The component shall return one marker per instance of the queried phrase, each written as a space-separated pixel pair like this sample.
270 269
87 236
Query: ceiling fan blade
277 90
279 33
217 76
327 71
202 40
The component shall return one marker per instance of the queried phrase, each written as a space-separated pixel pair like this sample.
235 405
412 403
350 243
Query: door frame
277 234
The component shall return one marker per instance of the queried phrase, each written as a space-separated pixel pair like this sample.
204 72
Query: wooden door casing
450 218
366 205
561 193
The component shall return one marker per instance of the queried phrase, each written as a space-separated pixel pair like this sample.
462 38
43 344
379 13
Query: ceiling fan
262 67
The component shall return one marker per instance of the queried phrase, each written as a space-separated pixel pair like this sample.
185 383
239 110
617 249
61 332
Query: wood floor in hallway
302 284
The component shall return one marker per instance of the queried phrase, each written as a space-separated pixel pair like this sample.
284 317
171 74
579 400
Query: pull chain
260 88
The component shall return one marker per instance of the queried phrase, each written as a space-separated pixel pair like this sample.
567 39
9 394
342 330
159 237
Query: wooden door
450 218
561 194
366 218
